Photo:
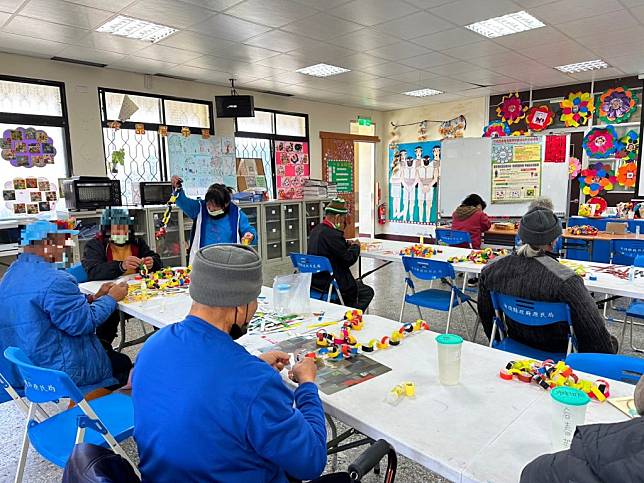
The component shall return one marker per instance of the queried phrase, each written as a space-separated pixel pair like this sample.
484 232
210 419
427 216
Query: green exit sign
364 121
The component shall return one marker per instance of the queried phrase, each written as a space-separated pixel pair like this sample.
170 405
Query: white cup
568 412
449 358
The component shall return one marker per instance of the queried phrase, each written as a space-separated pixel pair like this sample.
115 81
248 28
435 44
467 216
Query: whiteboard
466 167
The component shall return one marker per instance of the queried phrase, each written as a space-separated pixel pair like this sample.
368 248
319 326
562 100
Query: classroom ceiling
391 46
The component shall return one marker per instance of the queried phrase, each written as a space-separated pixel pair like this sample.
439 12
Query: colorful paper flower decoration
577 109
630 145
519 133
511 109
626 174
574 167
596 178
601 142
617 105
496 129
539 118
600 202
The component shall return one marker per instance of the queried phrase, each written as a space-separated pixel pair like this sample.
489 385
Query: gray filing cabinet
313 216
253 213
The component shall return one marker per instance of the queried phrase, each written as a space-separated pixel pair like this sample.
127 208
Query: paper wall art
27 148
600 203
596 178
630 145
496 129
627 174
617 105
511 109
574 167
601 142
539 118
577 109
453 128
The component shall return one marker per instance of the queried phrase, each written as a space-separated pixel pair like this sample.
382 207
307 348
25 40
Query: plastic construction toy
582 230
548 375
163 229
419 250
480 257
401 391
167 280
578 268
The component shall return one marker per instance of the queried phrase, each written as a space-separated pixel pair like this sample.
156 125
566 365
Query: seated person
534 273
114 252
543 202
470 217
217 218
327 239
212 411
45 314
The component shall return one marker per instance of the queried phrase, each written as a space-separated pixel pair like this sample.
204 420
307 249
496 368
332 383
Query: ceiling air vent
80 62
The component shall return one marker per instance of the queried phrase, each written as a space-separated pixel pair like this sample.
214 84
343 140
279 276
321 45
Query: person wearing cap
205 408
327 240
535 274
216 218
45 314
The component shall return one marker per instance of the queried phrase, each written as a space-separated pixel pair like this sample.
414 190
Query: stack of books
317 188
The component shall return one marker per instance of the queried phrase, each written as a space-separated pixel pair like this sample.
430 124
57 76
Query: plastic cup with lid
449 358
568 412
281 298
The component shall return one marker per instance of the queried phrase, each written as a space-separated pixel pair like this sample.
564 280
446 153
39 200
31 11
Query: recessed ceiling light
423 93
322 70
582 66
511 23
134 28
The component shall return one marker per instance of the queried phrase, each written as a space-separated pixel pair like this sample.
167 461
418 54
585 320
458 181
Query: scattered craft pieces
480 256
578 268
618 271
368 246
401 391
420 250
163 282
582 230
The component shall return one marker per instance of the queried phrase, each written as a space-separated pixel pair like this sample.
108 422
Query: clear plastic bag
291 294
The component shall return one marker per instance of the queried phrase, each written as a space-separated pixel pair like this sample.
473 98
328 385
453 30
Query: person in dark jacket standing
115 252
535 274
471 217
327 240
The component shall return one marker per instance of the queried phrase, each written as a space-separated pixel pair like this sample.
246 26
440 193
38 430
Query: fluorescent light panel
134 28
322 70
582 66
511 23
423 93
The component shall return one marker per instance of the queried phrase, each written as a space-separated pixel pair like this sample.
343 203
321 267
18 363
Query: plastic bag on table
291 294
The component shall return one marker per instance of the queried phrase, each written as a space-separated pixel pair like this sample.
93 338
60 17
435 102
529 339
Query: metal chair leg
420 314
334 434
621 342
635 349
402 307
449 311
24 449
467 329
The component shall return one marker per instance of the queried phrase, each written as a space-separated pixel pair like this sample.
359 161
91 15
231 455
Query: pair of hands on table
303 371
117 291
133 263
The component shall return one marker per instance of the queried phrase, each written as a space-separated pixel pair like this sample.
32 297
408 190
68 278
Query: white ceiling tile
371 12
233 66
91 55
190 72
632 3
560 53
427 61
569 10
66 13
141 65
639 13
453 68
608 51
10 5
283 61
288 78
44 30
360 61
533 3
246 53
580 28
326 53
448 39
164 53
630 64
427 3
415 75
521 70
609 73
365 39
322 27
626 36
414 25
195 42
465 12
328 4
4 16
282 41
111 43
397 51
484 77
218 5
447 84
274 13
531 38
505 58
29 45
168 12
112 5
388 68
262 84
478 49
229 28
354 76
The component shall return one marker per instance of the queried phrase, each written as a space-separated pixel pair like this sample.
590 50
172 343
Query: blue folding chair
626 249
613 366
453 237
634 311
78 272
110 417
317 264
436 299
534 314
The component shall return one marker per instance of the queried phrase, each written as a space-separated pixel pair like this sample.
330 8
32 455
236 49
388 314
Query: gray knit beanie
226 275
539 226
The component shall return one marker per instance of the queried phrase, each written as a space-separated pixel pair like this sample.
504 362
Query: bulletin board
292 168
250 174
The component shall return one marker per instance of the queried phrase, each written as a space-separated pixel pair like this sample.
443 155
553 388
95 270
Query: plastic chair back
629 249
639 261
530 312
311 263
78 272
613 366
427 269
452 237
42 385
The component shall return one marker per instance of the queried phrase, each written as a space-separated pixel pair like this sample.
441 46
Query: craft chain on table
585 230
480 256
164 281
578 268
420 251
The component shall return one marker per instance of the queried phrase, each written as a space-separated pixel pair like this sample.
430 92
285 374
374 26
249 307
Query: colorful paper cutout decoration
185 132
496 129
627 174
617 105
539 118
27 147
114 125
511 109
600 204
205 134
574 167
596 178
519 133
163 131
453 128
577 109
630 146
139 128
555 151
601 142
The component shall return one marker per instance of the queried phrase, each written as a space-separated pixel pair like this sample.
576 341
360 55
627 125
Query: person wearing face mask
212 410
327 239
216 218
45 314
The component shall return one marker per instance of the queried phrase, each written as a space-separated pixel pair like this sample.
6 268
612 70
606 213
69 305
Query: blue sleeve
245 226
189 206
69 310
292 438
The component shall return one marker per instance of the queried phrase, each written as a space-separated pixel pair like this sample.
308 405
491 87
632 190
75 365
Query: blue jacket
44 313
206 410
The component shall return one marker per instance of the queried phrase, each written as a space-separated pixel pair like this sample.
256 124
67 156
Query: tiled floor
388 284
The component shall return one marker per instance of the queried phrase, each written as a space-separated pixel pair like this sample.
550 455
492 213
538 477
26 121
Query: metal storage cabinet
292 228
253 212
313 215
272 237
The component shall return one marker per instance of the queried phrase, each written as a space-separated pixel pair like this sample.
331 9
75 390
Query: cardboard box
616 228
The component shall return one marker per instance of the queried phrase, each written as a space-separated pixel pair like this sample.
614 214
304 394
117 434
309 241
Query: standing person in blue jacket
45 314
213 412
216 218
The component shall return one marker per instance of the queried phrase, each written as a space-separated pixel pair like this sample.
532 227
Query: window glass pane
149 107
257 148
262 122
27 98
290 125
29 191
141 161
191 114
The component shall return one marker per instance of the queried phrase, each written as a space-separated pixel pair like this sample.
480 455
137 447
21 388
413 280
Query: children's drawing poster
202 161
414 172
27 147
516 169
29 196
292 168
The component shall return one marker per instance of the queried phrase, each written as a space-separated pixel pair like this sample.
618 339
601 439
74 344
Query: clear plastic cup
568 412
449 358
281 298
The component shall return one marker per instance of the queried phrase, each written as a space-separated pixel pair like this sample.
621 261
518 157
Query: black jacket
330 243
98 267
600 453
89 463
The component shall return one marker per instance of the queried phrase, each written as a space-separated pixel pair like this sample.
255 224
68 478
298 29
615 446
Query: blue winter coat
43 312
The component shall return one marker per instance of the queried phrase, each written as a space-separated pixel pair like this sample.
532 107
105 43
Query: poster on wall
414 171
516 169
292 168
27 147
341 173
202 161
30 196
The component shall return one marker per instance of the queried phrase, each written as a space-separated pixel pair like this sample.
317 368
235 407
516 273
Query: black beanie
539 226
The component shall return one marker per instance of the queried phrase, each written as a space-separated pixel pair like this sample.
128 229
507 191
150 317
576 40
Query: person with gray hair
207 410
542 202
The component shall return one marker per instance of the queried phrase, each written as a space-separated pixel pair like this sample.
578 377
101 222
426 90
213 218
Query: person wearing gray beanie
539 230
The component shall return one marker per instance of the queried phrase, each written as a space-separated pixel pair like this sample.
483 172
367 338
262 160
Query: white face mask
216 212
119 239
